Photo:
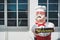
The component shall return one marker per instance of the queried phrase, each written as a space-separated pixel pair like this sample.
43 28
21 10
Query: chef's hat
40 8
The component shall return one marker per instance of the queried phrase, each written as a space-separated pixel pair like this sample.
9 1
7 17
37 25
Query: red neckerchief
43 24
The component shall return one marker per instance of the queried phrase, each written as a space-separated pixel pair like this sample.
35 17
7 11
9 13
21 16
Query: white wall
55 36
2 35
26 35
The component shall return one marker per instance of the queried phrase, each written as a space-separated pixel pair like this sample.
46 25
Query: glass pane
1 22
53 1
11 1
43 5
22 7
42 1
23 1
23 15
1 14
11 14
53 14
1 7
11 7
45 14
54 21
23 23
1 1
53 7
11 23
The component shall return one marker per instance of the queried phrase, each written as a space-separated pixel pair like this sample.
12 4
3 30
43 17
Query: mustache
39 17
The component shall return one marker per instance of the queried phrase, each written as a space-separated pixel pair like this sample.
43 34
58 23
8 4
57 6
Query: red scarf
43 24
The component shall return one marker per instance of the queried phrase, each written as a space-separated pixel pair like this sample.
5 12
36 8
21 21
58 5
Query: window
42 1
14 14
53 13
1 1
53 1
11 15
11 23
23 22
17 15
22 1
22 7
22 18
22 13
1 22
53 7
1 7
52 10
1 12
11 1
11 7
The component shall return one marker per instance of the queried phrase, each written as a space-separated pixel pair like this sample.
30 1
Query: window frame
48 6
12 28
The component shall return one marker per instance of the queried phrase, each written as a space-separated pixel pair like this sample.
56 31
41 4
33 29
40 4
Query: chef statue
40 22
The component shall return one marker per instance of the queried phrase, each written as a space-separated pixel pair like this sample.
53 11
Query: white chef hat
40 8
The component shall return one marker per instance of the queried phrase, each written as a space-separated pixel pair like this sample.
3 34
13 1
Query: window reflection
11 14
53 1
22 7
42 1
23 1
53 14
1 1
11 1
1 7
1 14
53 7
23 23
1 22
11 23
22 14
11 7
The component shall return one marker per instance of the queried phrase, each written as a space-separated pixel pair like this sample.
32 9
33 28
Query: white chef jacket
47 25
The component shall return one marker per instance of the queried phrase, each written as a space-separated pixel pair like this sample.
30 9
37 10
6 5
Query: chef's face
40 16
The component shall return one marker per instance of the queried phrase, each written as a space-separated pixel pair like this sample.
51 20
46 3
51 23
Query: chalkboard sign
44 30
